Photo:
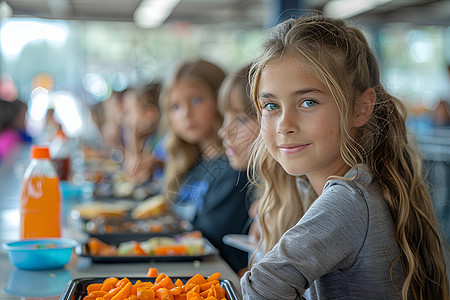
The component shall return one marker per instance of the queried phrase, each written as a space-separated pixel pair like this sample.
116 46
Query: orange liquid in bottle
40 208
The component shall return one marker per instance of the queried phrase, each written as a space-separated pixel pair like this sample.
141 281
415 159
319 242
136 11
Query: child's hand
254 231
140 166
253 209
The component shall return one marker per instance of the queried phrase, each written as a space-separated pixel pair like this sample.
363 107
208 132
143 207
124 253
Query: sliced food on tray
152 215
155 206
103 209
186 244
152 207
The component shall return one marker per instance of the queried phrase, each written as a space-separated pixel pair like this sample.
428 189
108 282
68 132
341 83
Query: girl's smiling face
238 131
300 122
193 115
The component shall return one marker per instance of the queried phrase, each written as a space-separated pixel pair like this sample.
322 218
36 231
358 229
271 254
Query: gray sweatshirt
342 248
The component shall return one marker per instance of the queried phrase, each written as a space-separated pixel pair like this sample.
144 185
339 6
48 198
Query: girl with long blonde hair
199 181
364 225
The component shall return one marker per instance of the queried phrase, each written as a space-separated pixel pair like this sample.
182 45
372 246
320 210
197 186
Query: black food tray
123 226
83 251
76 288
117 238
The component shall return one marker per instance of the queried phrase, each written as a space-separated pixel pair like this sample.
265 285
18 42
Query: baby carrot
152 272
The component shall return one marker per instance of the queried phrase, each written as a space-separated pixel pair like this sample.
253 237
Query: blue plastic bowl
40 254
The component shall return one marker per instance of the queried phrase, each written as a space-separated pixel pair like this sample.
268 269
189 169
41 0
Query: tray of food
187 246
160 287
118 221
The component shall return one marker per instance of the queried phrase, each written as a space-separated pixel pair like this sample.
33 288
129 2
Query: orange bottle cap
40 152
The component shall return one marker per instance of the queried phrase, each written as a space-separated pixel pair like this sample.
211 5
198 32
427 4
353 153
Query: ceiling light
153 13
350 8
15 34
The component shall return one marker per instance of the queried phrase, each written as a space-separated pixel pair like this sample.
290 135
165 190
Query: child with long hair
141 122
199 181
238 132
366 227
240 126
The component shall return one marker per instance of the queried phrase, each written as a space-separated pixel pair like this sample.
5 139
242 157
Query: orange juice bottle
40 210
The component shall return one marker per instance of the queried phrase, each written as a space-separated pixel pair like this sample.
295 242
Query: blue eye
270 106
243 119
196 100
308 103
174 107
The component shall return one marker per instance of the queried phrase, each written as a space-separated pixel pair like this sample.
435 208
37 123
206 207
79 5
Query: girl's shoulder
345 204
354 180
357 189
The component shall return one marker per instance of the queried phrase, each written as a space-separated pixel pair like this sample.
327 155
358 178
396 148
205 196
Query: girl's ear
364 107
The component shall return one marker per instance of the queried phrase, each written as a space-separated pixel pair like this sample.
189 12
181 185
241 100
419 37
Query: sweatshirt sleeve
328 237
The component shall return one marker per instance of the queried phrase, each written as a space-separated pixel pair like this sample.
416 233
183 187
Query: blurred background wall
81 50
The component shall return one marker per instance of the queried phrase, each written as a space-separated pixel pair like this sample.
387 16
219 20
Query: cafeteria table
50 284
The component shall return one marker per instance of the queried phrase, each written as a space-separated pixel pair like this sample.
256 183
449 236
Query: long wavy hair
339 56
181 156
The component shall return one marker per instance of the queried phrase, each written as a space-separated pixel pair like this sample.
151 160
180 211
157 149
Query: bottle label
34 188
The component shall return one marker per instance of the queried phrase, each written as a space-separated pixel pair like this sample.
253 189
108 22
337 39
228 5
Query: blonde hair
339 56
181 156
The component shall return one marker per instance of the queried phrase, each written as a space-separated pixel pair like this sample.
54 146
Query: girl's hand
254 231
140 166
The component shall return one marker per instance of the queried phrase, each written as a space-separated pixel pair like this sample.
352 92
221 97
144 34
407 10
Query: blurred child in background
239 130
198 178
112 126
240 127
141 124
12 127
